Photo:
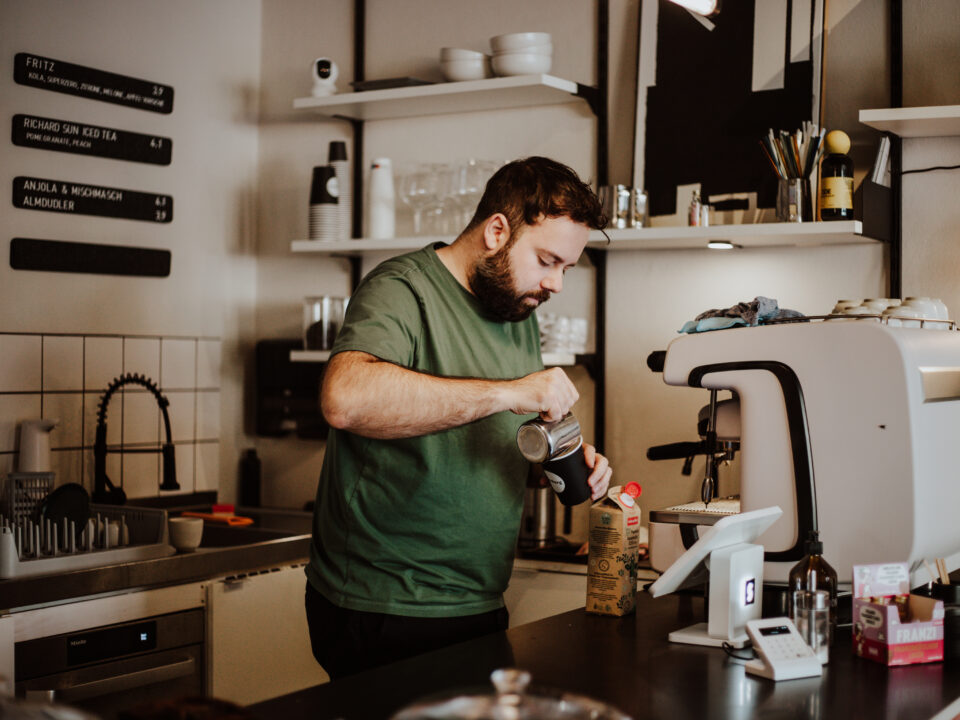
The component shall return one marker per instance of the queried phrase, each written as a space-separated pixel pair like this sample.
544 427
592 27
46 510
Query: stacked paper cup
324 204
338 159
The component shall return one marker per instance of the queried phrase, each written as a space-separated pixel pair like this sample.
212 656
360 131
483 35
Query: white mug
185 533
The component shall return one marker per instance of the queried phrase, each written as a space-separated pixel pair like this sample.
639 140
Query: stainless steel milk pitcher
559 446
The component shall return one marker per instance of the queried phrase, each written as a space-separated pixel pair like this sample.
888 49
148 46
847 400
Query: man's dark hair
528 190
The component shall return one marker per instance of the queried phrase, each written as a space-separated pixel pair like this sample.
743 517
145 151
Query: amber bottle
813 572
836 178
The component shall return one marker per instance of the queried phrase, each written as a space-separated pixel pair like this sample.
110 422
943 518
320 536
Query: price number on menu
160 213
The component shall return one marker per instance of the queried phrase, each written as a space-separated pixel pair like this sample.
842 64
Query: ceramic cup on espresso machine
559 446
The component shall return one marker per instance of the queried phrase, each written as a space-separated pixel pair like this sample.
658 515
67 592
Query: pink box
878 632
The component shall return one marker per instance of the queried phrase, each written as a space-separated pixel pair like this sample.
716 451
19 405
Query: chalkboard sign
59 76
76 257
33 193
73 137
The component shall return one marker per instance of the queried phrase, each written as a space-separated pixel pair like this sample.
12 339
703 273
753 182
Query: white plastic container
381 215
35 445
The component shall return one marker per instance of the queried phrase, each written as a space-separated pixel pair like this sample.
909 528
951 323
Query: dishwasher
112 668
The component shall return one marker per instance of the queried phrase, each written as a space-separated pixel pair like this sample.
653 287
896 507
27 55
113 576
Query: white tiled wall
64 376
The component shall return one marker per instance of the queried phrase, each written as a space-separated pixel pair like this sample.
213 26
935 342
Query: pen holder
794 200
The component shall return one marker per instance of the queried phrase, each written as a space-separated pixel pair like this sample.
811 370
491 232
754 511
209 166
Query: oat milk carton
614 539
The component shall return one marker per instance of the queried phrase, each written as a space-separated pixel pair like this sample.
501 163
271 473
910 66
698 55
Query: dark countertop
289 533
629 663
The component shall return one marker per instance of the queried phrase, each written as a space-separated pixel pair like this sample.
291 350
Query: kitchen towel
752 313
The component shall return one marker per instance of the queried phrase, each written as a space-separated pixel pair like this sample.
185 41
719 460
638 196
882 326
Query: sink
215 535
268 524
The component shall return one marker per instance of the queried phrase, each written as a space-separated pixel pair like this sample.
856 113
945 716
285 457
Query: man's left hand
599 479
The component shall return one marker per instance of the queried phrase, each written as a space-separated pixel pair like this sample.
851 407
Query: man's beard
493 284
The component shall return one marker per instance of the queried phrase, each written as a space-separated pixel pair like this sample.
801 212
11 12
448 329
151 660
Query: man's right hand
547 392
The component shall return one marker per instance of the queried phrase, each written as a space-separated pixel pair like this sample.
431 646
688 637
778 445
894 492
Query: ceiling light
721 245
702 7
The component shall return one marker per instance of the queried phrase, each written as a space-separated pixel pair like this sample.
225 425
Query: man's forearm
377 399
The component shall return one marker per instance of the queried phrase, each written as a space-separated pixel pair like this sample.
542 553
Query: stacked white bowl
907 312
524 53
458 64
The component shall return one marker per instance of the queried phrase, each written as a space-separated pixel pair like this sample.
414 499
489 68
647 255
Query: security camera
325 73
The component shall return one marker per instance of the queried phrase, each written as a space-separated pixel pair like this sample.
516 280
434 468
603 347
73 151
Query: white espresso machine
850 426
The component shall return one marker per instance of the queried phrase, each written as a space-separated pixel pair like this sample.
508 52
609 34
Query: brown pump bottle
813 572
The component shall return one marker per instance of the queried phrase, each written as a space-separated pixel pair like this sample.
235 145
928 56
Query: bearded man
437 364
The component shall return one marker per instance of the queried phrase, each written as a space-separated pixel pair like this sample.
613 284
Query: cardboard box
612 562
890 625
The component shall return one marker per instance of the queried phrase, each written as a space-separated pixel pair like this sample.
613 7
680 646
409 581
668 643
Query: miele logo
77 643
633 520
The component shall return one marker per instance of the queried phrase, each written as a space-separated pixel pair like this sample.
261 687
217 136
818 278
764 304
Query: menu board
79 198
63 196
74 137
77 257
59 76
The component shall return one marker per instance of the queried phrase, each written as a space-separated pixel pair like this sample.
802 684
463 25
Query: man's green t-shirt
424 526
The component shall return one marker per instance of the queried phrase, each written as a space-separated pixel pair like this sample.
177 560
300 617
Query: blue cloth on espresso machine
752 313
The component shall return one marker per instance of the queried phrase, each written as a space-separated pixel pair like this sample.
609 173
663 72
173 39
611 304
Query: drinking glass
441 208
416 191
440 199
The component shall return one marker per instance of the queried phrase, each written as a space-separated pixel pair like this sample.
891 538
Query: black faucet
105 491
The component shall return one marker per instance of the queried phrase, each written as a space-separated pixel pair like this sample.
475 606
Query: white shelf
913 122
364 245
842 232
549 359
309 355
559 359
450 97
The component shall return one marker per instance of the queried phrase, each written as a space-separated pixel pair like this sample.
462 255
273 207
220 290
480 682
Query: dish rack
115 534
23 492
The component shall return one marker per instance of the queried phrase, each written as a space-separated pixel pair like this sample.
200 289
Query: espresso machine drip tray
697 513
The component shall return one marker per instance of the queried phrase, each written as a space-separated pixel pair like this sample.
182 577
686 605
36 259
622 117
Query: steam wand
709 485
104 491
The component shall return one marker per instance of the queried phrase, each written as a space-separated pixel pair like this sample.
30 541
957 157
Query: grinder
559 446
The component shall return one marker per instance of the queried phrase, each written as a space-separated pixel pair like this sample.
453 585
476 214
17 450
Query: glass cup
322 318
812 618
638 208
793 200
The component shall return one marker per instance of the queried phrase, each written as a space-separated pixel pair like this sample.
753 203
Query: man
437 365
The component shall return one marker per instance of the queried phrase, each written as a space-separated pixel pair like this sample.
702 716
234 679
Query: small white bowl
926 307
905 316
520 64
185 533
531 50
448 53
875 304
460 70
518 41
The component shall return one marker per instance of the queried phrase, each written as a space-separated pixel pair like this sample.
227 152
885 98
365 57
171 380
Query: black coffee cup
568 475
323 188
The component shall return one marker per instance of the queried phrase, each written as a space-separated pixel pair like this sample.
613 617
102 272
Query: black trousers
346 641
